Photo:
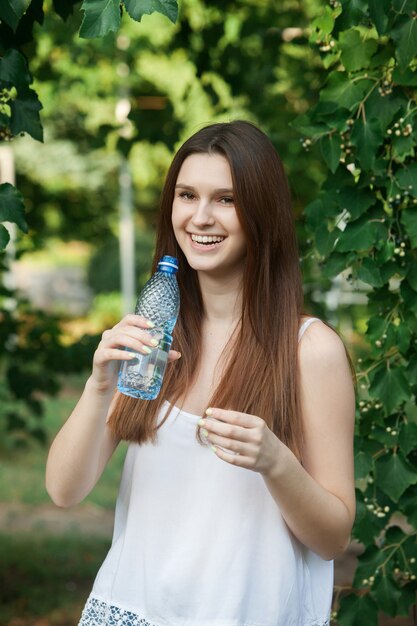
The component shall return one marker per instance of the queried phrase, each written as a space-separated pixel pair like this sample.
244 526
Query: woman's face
204 217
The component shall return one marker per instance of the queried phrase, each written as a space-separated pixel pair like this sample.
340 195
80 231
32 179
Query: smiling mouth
207 239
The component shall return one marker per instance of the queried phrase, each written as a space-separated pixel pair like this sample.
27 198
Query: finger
136 320
113 354
130 343
232 446
127 335
223 429
233 417
174 355
233 459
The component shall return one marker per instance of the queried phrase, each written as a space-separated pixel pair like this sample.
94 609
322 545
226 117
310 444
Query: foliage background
334 85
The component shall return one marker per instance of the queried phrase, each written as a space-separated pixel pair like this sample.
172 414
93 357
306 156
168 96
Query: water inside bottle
141 377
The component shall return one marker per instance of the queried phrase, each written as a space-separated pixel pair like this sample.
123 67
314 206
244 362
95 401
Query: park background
93 104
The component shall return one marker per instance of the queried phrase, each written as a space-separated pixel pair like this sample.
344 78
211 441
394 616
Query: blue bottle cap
168 263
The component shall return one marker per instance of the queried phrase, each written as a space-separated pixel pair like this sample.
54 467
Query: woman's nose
203 215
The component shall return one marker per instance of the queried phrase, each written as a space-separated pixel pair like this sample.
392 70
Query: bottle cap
168 264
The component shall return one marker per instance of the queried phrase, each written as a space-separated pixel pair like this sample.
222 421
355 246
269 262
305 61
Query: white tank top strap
305 325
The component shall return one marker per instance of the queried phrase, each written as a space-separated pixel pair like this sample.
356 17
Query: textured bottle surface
159 302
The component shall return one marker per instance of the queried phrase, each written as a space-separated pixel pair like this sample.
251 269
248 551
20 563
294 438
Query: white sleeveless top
199 542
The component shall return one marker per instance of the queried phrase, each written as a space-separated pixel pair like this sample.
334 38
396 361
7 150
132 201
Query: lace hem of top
99 613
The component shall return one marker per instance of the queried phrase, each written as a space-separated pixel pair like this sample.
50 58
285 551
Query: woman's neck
222 299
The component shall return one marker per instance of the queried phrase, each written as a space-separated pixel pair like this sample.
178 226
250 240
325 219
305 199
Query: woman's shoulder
319 341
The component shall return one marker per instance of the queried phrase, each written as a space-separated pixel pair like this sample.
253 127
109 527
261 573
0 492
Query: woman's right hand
132 333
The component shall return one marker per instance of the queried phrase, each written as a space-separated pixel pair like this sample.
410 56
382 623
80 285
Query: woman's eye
186 195
226 200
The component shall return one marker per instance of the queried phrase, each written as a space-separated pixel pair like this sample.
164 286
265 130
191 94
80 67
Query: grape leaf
330 148
138 8
404 34
25 114
367 137
390 386
4 237
11 11
356 52
12 208
394 475
100 17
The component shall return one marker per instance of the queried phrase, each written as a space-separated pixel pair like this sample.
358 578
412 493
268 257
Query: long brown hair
260 372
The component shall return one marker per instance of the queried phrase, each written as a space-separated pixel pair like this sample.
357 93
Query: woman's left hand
241 439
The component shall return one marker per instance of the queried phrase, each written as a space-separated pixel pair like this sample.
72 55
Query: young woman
237 490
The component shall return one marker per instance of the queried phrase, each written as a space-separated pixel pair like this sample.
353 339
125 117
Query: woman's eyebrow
215 191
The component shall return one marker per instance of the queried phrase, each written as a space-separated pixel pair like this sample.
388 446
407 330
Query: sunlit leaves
104 16
370 101
100 17
356 52
138 8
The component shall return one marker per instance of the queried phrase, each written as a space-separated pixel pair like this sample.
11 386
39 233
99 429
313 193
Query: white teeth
207 238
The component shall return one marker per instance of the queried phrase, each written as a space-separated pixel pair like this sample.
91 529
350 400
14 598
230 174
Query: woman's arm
317 497
85 443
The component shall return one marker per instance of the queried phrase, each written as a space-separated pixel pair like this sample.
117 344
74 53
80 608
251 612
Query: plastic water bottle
159 302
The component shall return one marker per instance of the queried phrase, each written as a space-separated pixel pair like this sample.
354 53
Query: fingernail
146 349
155 342
201 422
130 355
204 432
209 411
179 354
150 324
213 449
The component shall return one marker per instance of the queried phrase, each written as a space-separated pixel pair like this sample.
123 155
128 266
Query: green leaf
325 22
407 178
390 386
408 438
406 77
403 147
306 127
369 273
367 136
14 69
4 237
335 264
100 18
383 108
356 52
409 296
378 11
25 114
358 611
330 148
12 208
356 200
404 34
387 594
409 221
11 11
394 475
138 8
408 504
359 235
325 239
368 563
412 274
342 91
363 464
